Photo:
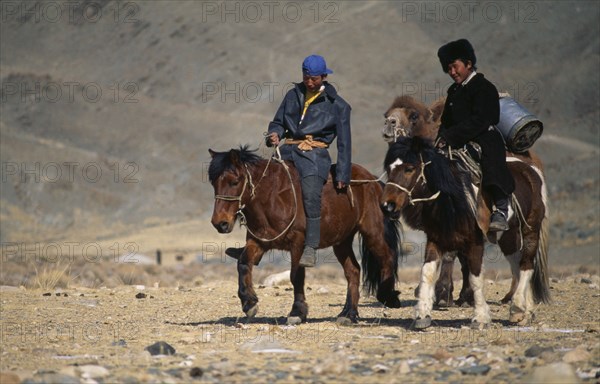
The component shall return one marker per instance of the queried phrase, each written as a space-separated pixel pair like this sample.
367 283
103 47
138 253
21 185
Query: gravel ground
101 335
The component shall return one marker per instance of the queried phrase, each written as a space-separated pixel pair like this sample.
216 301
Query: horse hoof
294 320
344 321
476 325
423 322
252 311
517 318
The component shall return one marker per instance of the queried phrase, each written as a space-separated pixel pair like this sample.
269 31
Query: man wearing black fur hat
472 108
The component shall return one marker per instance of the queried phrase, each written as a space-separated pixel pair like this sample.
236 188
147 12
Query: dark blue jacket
326 118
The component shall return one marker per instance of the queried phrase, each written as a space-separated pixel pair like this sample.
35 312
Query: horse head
405 164
418 174
407 117
230 177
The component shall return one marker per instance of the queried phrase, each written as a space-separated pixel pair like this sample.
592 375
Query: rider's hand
273 139
340 185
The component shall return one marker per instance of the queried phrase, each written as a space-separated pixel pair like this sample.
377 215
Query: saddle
468 158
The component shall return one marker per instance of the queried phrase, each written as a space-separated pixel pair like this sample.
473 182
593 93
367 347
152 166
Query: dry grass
53 276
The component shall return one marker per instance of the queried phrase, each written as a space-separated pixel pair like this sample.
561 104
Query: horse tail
540 279
370 265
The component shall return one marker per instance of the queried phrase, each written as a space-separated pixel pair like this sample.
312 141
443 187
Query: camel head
407 117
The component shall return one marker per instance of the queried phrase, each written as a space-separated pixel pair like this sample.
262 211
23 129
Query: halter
398 132
423 180
248 180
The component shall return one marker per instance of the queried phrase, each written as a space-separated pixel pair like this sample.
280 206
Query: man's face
313 83
459 71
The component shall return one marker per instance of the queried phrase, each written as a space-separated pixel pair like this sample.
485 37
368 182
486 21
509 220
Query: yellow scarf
310 97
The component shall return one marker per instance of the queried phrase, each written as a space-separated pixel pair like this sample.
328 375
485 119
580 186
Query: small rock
140 287
47 294
475 370
585 280
553 373
140 295
322 290
403 368
380 368
578 354
276 278
52 378
160 348
196 372
441 355
120 343
93 371
177 372
536 350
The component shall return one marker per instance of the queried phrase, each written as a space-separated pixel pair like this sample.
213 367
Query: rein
248 180
423 180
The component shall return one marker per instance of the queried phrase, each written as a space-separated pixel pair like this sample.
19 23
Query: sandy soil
100 334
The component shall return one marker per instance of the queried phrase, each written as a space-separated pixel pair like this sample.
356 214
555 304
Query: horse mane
409 103
452 207
224 161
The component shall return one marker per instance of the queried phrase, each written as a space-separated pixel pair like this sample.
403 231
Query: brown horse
436 194
266 194
407 117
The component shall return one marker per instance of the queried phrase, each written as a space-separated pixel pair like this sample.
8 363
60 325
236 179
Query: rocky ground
104 334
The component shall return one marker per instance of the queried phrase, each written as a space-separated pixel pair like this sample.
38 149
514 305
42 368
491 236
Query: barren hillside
108 108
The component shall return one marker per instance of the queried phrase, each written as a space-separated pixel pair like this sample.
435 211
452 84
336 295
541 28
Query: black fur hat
459 49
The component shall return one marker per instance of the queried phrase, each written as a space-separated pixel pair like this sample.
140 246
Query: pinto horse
407 117
265 193
435 193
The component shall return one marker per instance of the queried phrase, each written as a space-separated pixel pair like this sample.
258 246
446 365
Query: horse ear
235 157
212 153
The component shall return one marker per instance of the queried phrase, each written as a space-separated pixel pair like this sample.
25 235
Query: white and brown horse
407 117
436 194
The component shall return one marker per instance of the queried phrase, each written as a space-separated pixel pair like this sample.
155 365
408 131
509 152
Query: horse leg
299 310
465 298
379 250
522 300
445 286
346 257
429 275
245 264
514 261
474 257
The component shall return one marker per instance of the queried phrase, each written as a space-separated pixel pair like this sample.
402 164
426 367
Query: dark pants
312 189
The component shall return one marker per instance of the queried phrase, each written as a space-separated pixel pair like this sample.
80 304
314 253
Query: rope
307 144
248 180
359 181
244 221
423 180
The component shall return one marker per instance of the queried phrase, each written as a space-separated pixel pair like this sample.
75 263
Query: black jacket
469 114
326 118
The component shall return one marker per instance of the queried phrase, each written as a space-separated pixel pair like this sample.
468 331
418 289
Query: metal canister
519 127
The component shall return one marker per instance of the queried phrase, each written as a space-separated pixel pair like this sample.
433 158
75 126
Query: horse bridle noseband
423 180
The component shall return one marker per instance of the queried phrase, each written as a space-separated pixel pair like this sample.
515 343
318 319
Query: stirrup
498 222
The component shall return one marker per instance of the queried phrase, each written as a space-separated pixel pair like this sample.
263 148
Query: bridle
394 123
248 180
420 178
